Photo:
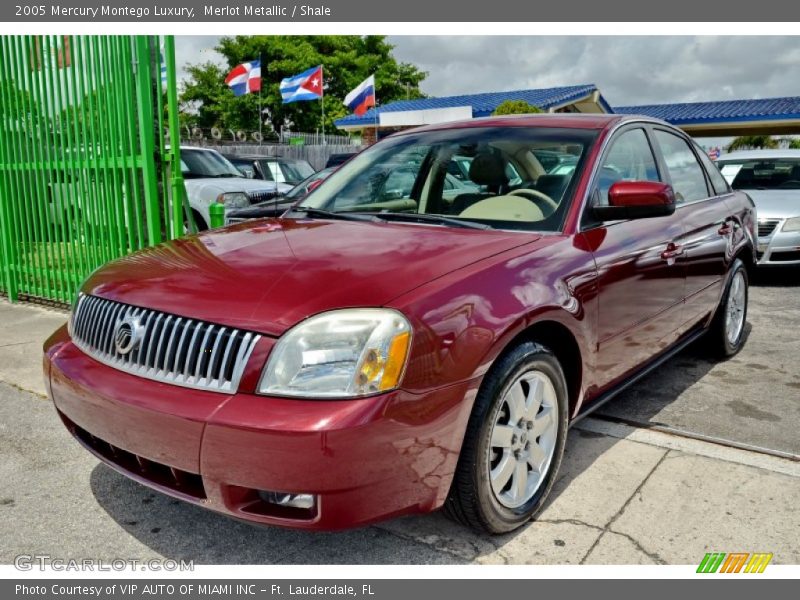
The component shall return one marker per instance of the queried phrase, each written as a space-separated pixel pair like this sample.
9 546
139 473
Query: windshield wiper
217 176
328 214
426 218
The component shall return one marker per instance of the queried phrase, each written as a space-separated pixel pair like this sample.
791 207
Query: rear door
640 273
705 215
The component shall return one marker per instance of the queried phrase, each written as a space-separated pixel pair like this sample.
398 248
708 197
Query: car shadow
185 532
775 276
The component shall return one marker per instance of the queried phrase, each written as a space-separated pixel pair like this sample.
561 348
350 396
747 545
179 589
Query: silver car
772 179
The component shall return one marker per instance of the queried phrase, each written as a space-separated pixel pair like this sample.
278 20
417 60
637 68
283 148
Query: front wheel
514 442
726 334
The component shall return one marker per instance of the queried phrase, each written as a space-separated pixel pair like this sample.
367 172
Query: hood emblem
128 334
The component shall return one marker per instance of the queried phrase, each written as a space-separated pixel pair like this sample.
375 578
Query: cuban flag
245 78
305 86
362 97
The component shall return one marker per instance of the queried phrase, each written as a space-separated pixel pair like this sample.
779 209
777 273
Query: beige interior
504 208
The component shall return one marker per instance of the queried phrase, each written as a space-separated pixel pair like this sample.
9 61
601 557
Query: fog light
304 501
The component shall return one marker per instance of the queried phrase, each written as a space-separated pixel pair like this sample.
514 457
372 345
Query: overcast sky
628 70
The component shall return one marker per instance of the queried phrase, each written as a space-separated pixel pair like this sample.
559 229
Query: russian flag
362 97
305 86
245 78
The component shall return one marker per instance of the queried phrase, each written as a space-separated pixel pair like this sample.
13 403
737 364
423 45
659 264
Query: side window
717 180
630 158
688 178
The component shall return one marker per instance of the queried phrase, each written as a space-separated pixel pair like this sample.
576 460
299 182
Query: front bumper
779 248
365 460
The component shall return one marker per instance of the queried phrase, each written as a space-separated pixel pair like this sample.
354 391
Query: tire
478 497
725 336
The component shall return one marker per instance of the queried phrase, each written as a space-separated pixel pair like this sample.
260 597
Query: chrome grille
171 349
261 196
767 226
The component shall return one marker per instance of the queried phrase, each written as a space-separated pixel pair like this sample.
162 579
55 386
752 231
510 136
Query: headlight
792 224
342 353
234 199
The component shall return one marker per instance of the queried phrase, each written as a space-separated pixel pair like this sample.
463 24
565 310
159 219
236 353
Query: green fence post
216 214
144 104
8 241
176 174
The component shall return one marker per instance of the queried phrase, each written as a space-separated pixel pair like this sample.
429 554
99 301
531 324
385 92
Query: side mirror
637 200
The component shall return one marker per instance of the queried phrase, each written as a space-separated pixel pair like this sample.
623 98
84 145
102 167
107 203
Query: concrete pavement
625 495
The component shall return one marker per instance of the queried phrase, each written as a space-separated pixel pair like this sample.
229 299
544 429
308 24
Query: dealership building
767 116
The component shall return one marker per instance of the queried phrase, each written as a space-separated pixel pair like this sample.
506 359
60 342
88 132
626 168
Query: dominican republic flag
362 97
245 78
305 86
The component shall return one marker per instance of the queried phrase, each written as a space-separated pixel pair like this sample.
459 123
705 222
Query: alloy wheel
523 439
734 311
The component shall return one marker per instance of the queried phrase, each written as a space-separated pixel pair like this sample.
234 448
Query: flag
245 78
362 97
305 86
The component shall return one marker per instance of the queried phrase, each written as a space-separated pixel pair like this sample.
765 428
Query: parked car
290 171
772 179
336 160
279 204
356 361
210 177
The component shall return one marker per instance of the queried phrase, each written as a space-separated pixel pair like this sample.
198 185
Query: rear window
762 174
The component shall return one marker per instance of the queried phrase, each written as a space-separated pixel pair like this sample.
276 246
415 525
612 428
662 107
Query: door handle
672 252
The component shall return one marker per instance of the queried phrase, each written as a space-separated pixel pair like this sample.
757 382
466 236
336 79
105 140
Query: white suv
210 177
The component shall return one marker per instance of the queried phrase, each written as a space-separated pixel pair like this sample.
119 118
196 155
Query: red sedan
367 356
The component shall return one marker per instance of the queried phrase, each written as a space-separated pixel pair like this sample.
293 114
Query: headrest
488 169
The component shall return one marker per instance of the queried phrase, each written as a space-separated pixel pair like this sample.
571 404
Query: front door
641 271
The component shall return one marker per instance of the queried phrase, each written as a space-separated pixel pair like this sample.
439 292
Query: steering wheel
542 200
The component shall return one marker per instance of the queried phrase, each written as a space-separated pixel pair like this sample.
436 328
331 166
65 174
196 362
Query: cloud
627 69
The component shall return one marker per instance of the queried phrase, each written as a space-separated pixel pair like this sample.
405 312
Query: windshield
283 171
301 189
206 163
491 176
762 174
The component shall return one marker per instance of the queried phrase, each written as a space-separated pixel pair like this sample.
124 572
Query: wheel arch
563 343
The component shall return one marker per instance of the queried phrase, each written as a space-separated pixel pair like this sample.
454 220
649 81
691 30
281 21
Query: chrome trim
95 320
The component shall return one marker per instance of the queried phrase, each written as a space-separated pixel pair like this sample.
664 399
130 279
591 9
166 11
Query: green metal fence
85 175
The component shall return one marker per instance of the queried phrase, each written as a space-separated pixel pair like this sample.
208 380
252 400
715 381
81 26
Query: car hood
268 275
775 204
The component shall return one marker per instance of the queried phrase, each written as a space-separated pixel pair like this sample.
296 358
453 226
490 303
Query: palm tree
753 141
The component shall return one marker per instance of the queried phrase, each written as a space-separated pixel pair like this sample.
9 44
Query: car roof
759 154
567 120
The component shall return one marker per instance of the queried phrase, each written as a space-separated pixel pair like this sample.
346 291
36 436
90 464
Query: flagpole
322 100
260 85
375 108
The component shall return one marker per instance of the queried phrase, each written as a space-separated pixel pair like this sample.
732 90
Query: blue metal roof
726 111
482 105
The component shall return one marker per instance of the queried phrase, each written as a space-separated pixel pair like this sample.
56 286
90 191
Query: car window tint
630 158
762 173
717 180
686 174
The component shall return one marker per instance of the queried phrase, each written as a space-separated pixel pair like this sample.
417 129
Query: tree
794 144
346 60
753 141
515 107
